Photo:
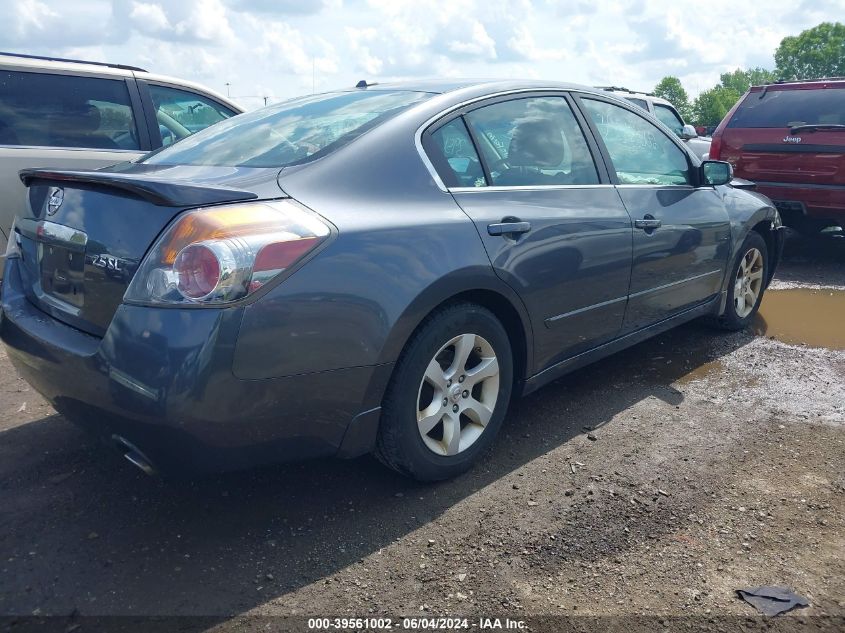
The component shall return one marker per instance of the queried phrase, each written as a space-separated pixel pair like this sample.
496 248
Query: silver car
84 115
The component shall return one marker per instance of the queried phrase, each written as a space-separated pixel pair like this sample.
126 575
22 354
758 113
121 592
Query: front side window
668 117
641 153
455 155
46 110
291 132
180 113
533 141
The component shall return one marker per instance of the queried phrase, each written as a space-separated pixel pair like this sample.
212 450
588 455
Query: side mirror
716 172
688 132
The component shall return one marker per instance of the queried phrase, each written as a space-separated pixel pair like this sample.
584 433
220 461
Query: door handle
648 223
508 228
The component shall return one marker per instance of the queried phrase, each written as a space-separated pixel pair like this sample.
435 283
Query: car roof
803 84
475 86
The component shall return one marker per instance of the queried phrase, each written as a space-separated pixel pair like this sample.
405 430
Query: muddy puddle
802 316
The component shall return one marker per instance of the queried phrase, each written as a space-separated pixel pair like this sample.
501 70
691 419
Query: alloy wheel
458 394
749 282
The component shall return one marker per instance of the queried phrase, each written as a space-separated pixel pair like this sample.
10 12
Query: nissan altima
380 269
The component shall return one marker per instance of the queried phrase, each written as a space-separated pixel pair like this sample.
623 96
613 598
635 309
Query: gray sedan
381 269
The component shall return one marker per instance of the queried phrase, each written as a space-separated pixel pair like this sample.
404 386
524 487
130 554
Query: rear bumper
823 202
162 379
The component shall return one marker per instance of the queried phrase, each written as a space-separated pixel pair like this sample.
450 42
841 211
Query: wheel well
510 319
764 229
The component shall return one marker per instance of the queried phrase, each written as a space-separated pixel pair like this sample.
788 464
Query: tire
740 310
420 434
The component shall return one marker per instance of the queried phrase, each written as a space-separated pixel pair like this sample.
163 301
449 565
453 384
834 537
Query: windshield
288 133
791 108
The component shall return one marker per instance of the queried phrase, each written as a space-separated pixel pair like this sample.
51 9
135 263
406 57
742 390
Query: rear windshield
789 108
288 133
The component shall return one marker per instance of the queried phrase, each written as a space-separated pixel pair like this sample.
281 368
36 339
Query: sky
284 48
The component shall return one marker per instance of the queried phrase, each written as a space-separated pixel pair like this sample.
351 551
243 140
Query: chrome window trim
77 149
646 185
501 188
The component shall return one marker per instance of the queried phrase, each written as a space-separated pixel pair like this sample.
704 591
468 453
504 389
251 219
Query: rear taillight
716 147
221 254
13 246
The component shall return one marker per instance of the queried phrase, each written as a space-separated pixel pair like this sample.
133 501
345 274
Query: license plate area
61 261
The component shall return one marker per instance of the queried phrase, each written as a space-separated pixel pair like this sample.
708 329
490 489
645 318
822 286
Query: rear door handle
648 223
508 228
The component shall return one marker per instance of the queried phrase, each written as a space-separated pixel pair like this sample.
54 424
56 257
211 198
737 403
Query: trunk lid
84 234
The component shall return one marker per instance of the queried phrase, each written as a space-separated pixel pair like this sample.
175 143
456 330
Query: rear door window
533 141
790 108
46 110
180 113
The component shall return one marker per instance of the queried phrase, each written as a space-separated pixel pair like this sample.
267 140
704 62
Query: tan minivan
84 115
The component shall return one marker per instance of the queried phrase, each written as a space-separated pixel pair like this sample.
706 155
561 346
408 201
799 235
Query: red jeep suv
789 138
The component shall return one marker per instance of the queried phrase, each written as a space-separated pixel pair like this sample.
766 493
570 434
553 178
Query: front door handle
648 223
508 228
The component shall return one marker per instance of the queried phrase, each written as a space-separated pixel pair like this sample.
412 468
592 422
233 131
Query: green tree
670 88
712 105
816 52
741 80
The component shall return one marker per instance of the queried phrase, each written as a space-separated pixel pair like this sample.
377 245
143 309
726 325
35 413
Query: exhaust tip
134 455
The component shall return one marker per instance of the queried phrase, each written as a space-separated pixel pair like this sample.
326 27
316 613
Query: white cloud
280 48
31 15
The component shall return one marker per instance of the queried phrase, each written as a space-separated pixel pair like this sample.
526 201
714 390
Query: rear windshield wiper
812 127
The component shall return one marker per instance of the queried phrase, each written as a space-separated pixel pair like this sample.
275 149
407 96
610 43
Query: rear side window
790 108
533 141
39 109
180 113
452 150
291 132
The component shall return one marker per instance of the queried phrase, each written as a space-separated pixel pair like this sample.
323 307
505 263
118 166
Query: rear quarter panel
403 247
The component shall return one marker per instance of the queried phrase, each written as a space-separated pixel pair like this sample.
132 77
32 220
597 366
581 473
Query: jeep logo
792 139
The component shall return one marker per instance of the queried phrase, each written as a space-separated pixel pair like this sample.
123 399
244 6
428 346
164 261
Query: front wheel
448 395
748 282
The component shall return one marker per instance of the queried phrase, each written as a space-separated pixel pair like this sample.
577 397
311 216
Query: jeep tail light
221 254
716 146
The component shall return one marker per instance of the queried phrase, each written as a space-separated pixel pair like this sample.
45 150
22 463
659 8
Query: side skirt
576 362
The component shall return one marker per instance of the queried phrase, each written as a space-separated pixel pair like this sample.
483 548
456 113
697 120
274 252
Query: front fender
746 210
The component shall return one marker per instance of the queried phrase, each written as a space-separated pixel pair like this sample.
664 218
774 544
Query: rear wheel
448 395
748 282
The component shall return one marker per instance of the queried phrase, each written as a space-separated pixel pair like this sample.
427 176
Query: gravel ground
655 482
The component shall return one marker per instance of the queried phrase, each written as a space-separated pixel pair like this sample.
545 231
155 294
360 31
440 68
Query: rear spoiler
165 193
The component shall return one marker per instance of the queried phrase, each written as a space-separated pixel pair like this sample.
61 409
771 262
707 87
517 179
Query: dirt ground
718 462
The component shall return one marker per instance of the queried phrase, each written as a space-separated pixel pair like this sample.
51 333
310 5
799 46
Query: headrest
536 143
